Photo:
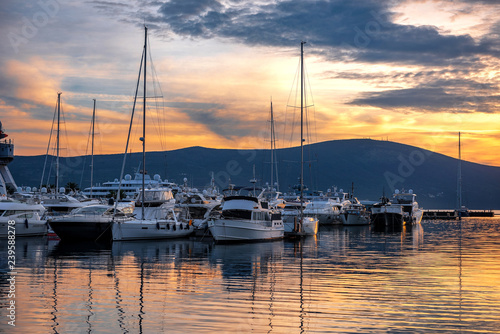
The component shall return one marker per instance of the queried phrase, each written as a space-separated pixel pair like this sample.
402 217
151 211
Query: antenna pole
92 160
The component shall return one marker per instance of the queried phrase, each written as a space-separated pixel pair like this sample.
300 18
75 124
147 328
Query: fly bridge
6 156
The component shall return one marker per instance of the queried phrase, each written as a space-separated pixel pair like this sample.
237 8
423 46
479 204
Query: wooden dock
452 214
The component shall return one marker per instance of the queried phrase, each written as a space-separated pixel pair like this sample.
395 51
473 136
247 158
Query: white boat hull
310 225
22 228
329 218
245 230
150 229
355 218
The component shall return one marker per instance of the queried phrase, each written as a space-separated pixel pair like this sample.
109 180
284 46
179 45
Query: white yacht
61 204
173 224
412 213
245 217
291 215
200 206
130 186
355 214
326 210
29 218
386 214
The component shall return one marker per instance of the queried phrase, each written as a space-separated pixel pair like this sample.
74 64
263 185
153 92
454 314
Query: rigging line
128 137
48 147
85 156
159 112
294 84
313 104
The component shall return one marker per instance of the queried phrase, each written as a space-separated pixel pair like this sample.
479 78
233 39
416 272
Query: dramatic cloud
376 68
361 31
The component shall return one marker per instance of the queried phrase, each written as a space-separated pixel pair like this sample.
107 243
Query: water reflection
437 277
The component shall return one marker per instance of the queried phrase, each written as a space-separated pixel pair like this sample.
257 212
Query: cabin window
265 205
238 214
276 216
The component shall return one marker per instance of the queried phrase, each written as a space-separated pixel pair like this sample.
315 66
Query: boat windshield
90 210
404 199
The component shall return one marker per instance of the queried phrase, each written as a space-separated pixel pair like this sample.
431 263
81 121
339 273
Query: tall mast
144 121
273 150
57 140
301 133
459 181
92 159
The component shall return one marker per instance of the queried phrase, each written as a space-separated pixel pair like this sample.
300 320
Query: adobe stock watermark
406 167
372 28
30 26
11 266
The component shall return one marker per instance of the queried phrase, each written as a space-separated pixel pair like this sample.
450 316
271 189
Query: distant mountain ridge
373 166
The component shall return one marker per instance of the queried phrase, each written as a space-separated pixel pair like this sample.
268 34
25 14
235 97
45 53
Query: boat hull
309 225
23 228
387 219
355 218
231 230
82 230
329 218
149 229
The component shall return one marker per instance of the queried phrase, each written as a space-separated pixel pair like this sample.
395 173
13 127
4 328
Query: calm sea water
439 277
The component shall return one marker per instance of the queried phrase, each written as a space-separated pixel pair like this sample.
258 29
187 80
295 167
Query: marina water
438 277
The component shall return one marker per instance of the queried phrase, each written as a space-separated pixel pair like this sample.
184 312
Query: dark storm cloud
455 95
362 31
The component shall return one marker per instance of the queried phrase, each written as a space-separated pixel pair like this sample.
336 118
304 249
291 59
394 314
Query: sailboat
461 209
301 224
91 220
167 222
59 203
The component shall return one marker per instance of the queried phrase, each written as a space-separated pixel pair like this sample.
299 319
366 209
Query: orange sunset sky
413 72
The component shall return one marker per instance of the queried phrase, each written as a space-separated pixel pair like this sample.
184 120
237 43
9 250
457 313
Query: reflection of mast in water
301 288
298 249
272 280
141 296
460 271
54 297
89 302
118 299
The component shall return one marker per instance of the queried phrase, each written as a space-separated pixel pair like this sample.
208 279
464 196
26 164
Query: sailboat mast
272 148
144 121
57 140
92 159
459 184
301 132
